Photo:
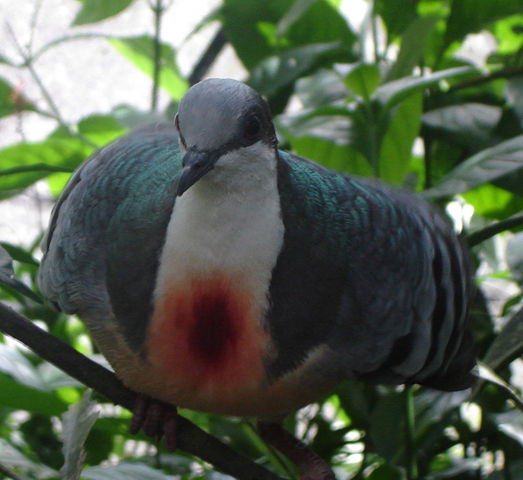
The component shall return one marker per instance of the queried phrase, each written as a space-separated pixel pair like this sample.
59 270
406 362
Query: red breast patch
206 334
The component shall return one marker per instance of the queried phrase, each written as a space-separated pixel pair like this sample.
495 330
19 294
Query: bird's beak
195 165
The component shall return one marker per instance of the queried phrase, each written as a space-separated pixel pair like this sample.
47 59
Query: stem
208 58
410 433
158 9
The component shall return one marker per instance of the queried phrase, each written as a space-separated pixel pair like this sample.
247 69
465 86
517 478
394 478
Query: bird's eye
252 128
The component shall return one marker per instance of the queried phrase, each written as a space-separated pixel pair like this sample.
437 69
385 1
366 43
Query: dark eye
252 128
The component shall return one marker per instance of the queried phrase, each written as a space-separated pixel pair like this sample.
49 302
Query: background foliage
398 96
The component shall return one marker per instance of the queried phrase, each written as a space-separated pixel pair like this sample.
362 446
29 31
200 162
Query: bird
218 273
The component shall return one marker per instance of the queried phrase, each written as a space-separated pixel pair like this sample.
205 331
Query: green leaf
25 163
485 166
77 423
298 8
515 255
467 124
470 16
8 279
396 146
252 28
12 100
19 254
396 19
140 52
492 202
124 471
413 44
508 344
14 459
391 93
17 396
279 71
101 129
96 10
363 79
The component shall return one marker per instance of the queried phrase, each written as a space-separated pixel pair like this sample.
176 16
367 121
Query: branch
489 231
208 57
158 9
476 81
190 438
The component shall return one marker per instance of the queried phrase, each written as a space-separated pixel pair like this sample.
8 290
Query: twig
474 82
479 236
208 57
8 473
190 438
158 9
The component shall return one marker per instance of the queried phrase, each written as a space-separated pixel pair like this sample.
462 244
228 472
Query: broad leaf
77 423
468 124
8 279
413 44
391 93
101 129
25 163
124 471
362 79
483 167
96 10
508 345
279 71
12 100
13 459
396 146
140 52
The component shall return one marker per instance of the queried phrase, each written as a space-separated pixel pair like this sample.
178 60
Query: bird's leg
156 419
310 465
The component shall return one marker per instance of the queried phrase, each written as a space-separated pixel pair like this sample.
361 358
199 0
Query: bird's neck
229 223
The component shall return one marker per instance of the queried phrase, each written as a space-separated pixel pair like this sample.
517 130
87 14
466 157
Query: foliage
395 98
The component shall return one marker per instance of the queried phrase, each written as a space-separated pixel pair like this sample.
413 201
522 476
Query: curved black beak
195 165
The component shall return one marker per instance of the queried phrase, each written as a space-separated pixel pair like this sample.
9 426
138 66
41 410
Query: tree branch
190 438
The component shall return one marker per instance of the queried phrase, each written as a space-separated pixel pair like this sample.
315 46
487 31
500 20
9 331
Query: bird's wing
386 282
108 228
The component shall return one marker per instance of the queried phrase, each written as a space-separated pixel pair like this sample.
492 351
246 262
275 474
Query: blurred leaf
396 19
515 96
12 100
485 373
470 16
252 28
508 344
387 472
469 124
8 279
511 423
14 459
485 166
515 255
25 163
140 52
363 79
19 254
278 71
391 93
388 426
321 88
124 471
101 129
96 10
492 202
77 423
17 396
413 44
298 8
397 143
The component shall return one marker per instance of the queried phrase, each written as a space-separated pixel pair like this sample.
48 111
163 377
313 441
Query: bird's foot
310 465
156 419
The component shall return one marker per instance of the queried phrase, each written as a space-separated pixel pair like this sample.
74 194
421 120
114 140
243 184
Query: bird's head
220 121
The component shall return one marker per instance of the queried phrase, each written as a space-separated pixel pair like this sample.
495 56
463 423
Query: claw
156 419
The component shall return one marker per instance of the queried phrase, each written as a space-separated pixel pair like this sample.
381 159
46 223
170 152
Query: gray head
217 116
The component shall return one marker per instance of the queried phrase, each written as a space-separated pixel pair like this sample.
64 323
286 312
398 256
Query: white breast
229 221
